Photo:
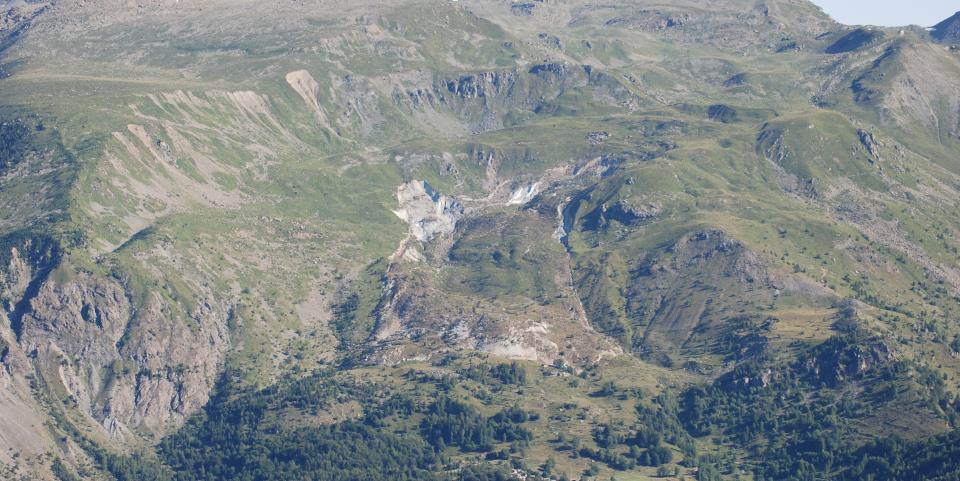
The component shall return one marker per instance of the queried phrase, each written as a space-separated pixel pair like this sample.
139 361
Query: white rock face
427 211
524 194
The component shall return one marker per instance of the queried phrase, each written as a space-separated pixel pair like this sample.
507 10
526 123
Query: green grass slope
698 241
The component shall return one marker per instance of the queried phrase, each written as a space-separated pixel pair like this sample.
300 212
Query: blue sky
891 13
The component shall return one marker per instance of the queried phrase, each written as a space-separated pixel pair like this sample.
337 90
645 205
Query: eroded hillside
640 238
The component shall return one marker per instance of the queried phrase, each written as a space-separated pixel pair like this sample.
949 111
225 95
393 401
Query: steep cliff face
28 262
128 366
484 101
428 212
15 280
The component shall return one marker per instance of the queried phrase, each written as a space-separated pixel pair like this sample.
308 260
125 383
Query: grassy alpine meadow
476 240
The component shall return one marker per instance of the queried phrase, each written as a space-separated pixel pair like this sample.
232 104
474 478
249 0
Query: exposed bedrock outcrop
129 364
428 212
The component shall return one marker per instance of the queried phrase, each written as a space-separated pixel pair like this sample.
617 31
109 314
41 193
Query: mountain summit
948 31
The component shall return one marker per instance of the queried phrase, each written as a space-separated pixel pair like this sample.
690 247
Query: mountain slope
271 227
947 31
